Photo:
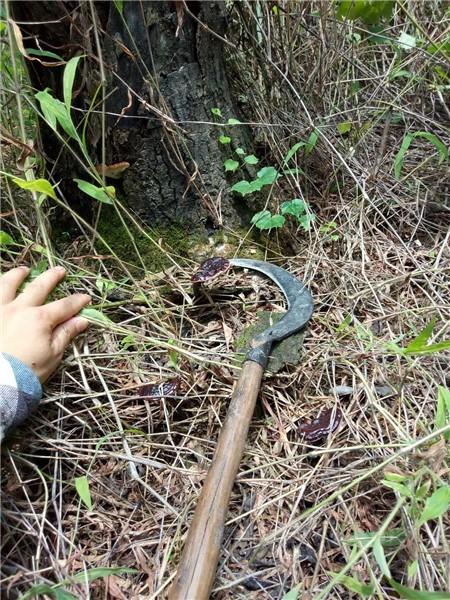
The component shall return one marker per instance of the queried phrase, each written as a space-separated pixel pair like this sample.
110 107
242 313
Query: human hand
34 332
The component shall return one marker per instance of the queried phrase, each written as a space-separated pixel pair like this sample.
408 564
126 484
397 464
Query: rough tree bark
165 69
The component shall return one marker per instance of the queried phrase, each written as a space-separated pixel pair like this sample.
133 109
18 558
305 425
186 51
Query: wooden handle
197 568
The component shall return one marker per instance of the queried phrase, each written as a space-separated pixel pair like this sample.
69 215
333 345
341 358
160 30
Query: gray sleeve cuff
20 392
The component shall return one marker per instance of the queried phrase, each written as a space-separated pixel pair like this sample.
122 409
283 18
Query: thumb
64 333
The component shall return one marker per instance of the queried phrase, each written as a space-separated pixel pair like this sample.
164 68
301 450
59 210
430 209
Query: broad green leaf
419 344
293 207
216 112
411 594
47 104
261 216
251 159
396 477
423 490
247 187
233 122
277 221
293 150
56 591
267 175
44 54
38 591
265 220
413 567
224 139
378 552
306 220
369 11
82 487
38 268
398 487
344 127
240 151
55 111
354 585
397 73
6 239
406 41
243 187
41 186
99 572
97 192
432 348
443 410
231 165
391 538
292 594
127 341
68 79
104 286
421 340
436 505
312 141
92 314
430 137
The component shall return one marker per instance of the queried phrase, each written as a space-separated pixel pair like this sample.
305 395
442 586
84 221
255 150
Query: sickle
197 568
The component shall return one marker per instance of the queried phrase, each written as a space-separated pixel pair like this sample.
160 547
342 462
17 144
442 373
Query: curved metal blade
299 299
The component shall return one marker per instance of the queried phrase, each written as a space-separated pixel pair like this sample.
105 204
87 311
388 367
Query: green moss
286 352
141 249
176 241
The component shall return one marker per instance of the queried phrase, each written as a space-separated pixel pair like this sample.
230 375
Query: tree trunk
165 69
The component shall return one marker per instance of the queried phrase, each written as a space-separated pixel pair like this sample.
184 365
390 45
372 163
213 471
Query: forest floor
107 473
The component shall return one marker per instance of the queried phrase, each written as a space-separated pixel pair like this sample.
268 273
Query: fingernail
24 267
60 269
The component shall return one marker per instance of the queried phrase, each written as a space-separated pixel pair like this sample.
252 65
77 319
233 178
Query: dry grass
294 505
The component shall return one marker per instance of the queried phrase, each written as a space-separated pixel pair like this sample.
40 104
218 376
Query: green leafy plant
419 345
265 220
57 113
266 176
82 487
104 195
328 230
431 137
94 315
369 11
231 165
414 489
57 590
298 209
443 410
6 239
308 144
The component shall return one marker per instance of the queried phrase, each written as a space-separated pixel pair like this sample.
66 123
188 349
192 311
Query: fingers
61 310
10 283
37 291
65 332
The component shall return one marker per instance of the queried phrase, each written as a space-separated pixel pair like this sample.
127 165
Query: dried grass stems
386 272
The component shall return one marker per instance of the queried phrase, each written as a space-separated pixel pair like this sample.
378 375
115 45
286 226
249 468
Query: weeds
347 106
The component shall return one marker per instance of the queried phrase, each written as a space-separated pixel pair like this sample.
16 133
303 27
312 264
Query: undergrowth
347 107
